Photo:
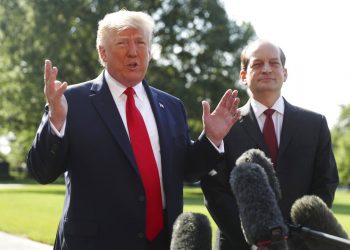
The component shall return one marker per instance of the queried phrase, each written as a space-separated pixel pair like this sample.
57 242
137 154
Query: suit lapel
103 101
288 127
250 125
160 114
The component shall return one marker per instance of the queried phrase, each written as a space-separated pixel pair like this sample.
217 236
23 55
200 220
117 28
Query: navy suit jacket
305 165
104 204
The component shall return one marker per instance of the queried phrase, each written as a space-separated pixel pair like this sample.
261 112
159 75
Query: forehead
128 32
263 50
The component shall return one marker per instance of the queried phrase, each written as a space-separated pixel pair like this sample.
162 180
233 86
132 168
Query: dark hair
245 58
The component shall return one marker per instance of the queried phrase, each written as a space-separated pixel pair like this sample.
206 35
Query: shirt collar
259 108
117 89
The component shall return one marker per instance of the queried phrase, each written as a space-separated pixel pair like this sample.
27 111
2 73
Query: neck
268 100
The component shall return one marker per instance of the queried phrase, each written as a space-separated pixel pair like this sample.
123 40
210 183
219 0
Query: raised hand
54 89
218 123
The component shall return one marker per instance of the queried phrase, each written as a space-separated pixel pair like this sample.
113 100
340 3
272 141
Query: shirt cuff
56 132
220 148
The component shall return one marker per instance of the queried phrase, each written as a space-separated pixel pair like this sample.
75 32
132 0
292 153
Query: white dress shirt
142 103
277 116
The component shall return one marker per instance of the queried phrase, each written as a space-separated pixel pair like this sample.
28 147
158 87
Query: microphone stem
328 238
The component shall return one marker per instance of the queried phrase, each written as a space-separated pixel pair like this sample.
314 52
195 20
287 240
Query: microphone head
257 156
191 231
260 215
312 212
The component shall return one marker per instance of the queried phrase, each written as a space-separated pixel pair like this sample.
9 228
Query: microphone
311 211
257 156
261 218
191 231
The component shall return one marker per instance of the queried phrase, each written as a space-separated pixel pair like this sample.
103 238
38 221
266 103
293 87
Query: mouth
265 79
132 66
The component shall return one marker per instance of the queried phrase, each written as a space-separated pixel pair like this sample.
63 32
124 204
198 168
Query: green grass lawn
341 209
33 211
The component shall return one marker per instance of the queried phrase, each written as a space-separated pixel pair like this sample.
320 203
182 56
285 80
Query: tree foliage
341 145
196 54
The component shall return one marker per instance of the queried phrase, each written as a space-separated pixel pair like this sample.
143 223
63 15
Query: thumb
206 109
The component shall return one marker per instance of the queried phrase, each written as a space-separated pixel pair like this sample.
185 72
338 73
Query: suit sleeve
201 155
202 158
46 157
325 178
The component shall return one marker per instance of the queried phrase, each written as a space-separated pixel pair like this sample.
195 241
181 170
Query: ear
285 74
102 52
243 76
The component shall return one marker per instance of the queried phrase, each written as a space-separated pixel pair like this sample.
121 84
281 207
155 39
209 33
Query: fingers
233 109
230 101
50 73
53 88
60 87
47 69
235 116
235 104
206 108
226 98
47 72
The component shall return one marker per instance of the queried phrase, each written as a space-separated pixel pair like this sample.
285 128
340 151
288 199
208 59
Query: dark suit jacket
305 165
104 204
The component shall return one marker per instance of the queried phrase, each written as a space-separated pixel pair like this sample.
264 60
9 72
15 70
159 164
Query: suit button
141 198
141 235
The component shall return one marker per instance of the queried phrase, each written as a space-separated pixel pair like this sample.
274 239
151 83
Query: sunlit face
126 54
265 73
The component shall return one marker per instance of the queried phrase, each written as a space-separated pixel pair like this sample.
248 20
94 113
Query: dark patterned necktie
270 135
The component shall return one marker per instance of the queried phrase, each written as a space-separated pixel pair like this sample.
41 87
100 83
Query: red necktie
270 135
147 166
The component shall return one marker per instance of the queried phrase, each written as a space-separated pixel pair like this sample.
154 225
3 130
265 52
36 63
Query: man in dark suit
304 163
85 133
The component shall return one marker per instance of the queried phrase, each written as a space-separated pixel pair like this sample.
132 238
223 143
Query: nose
132 52
266 67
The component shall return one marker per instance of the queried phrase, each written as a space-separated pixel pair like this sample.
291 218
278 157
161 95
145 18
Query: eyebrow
260 60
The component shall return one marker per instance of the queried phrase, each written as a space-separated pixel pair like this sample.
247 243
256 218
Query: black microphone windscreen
312 212
257 204
257 156
191 231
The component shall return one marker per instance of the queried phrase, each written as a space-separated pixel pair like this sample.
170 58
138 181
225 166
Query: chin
133 81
